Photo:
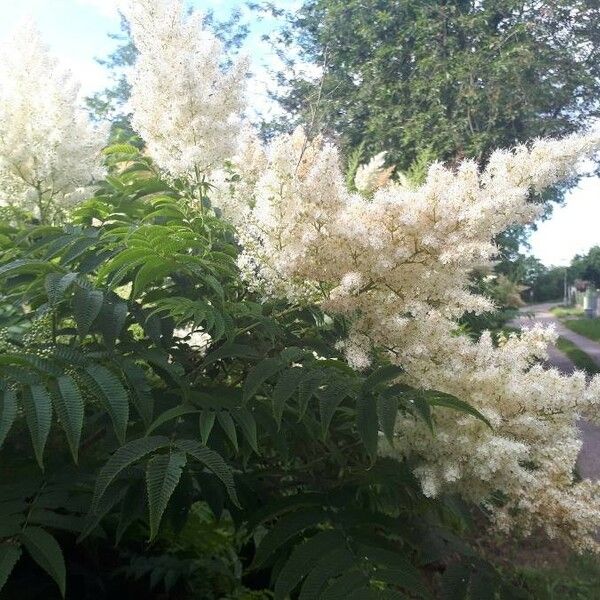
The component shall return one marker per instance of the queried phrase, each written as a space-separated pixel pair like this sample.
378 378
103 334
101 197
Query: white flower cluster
295 195
397 264
184 105
49 151
233 189
371 176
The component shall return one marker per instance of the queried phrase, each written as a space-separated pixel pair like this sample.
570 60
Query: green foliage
69 406
543 284
440 399
136 426
38 413
576 579
45 550
8 413
441 81
9 556
586 267
567 311
332 543
162 476
445 80
547 283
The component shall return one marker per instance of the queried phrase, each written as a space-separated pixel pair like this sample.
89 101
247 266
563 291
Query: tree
543 284
110 104
116 428
444 79
429 80
586 266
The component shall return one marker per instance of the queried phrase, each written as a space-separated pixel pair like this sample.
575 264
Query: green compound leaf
8 412
162 476
38 414
446 400
286 529
387 410
123 458
213 461
331 565
227 424
284 389
263 370
86 307
68 404
114 396
304 558
367 422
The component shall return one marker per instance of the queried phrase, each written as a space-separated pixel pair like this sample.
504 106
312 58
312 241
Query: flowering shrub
397 267
230 324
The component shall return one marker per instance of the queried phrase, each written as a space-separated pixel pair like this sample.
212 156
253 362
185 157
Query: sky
573 227
77 31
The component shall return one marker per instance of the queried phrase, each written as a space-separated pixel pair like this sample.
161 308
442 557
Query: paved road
589 458
541 313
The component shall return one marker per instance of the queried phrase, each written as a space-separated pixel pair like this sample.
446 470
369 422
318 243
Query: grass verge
590 328
544 569
579 357
567 311
578 579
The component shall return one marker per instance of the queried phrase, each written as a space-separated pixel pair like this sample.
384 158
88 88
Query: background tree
110 103
544 284
586 266
448 79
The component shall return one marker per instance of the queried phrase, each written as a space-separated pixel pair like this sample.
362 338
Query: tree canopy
444 80
587 266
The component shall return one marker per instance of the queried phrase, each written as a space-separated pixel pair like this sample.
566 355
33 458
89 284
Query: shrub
256 338
269 428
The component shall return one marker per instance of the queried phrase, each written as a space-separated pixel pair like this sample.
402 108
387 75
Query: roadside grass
590 328
542 568
567 311
579 579
581 360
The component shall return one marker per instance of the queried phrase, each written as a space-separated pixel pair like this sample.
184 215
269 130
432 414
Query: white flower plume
49 150
372 175
184 106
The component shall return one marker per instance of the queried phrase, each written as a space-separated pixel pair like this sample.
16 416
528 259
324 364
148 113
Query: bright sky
77 32
573 228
